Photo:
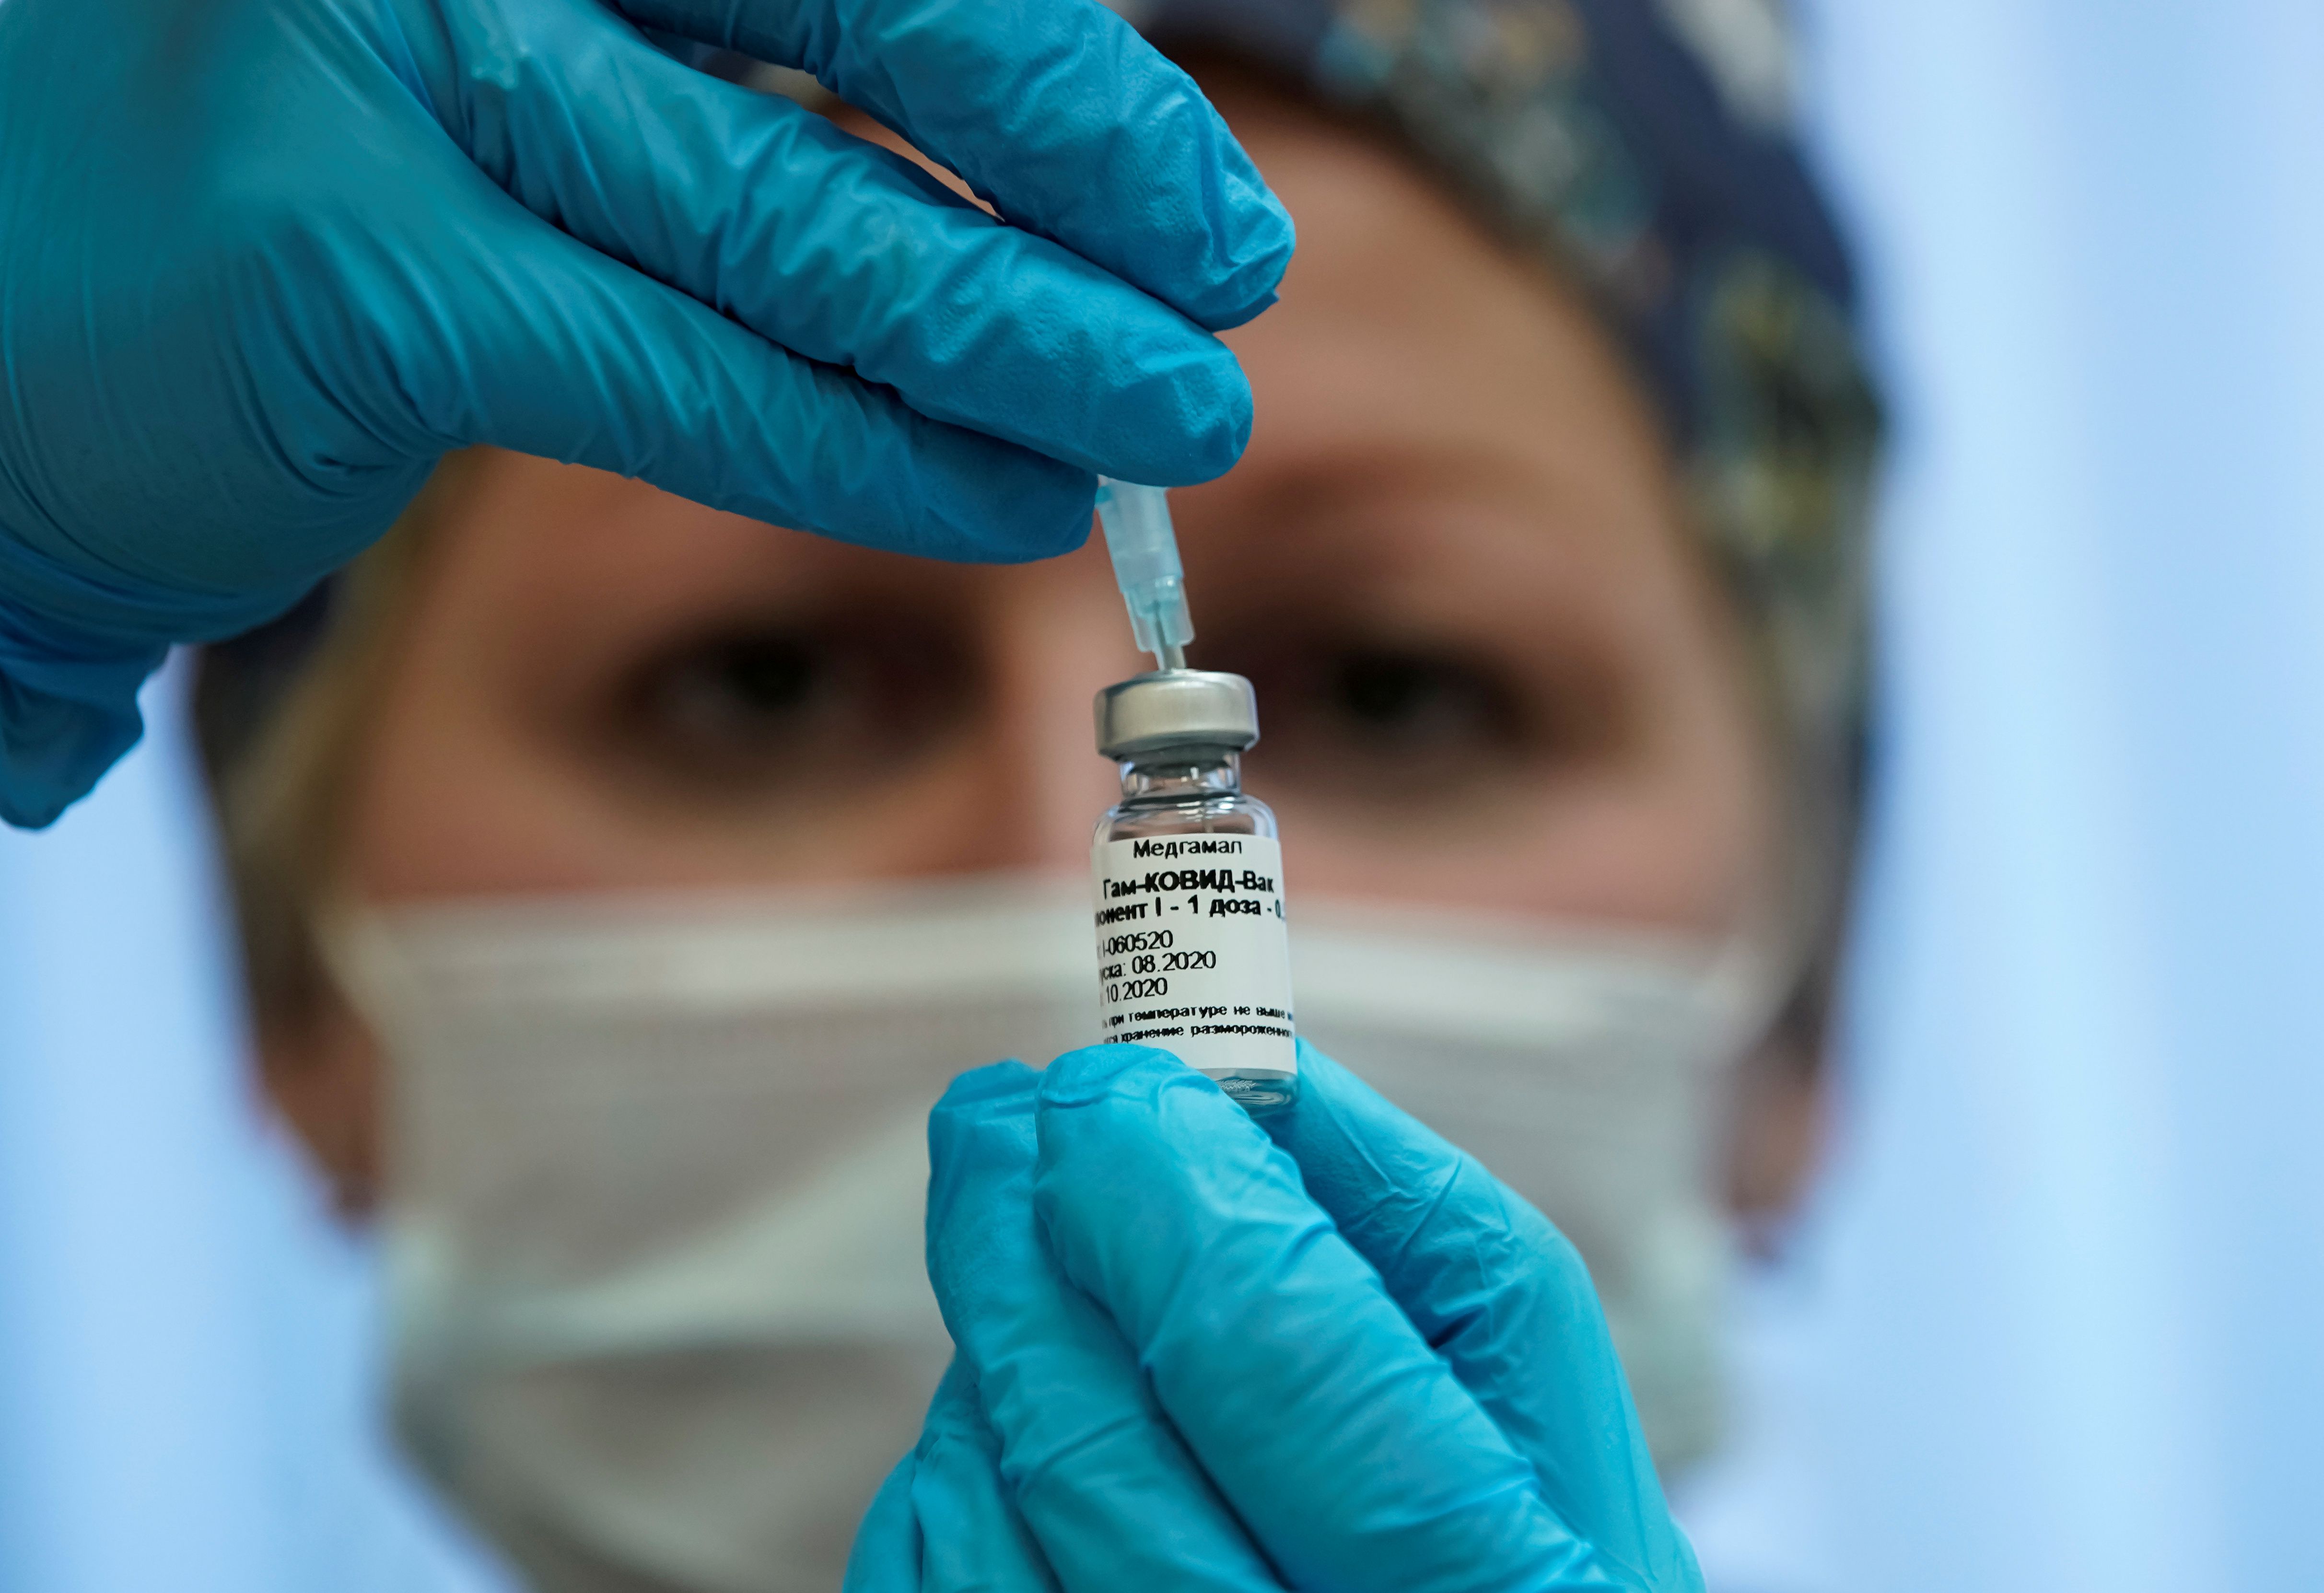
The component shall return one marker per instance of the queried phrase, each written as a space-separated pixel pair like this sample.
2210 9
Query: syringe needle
1145 552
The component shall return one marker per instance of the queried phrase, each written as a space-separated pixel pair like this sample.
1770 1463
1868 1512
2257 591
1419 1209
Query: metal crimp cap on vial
1156 713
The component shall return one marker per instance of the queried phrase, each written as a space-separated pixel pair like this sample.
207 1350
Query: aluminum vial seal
1169 709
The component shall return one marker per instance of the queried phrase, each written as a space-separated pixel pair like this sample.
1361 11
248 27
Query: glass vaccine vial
1191 951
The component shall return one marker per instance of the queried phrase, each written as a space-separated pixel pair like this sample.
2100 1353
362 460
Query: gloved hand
1191 1355
262 262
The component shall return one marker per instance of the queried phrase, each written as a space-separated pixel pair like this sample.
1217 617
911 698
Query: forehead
1403 318
1430 397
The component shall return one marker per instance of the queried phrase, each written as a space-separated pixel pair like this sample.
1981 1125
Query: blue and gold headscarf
1643 148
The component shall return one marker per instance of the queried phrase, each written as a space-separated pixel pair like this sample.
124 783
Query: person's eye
1355 717
740 690
1413 704
826 704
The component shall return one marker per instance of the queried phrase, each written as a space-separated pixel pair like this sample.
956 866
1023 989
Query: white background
2060 1321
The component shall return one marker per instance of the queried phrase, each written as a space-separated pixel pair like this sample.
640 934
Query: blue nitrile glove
1191 1355
262 262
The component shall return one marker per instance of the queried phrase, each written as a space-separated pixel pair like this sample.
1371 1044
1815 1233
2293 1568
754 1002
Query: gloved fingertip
994 1081
1095 1073
1313 1055
1066 528
1243 313
938 489
1041 518
970 1132
1346 1133
64 721
1223 441
1112 1117
1246 236
1261 254
1195 425
1321 1082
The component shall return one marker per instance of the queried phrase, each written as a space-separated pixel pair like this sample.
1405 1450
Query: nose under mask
658 1170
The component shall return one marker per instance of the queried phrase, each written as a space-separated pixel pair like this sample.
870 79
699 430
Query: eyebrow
1357 471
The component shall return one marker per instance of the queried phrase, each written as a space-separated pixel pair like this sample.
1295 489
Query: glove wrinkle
886 1554
971 1536
1501 1294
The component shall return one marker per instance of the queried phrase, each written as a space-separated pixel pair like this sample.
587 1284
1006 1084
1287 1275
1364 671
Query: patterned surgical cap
1643 147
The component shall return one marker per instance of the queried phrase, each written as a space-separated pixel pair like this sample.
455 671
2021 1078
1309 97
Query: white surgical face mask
1587 1069
658 1170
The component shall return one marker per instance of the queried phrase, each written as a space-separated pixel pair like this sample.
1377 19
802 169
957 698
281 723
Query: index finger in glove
1341 1438
1499 1292
1056 113
1104 1482
472 320
853 256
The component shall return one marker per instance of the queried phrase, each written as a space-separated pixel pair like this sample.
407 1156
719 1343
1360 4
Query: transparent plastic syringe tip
1145 552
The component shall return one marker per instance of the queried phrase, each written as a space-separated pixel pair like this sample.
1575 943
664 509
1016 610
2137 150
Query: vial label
1191 953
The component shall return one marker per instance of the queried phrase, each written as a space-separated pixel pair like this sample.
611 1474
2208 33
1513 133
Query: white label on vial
1192 955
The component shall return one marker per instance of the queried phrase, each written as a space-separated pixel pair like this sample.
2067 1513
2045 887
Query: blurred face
1490 673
